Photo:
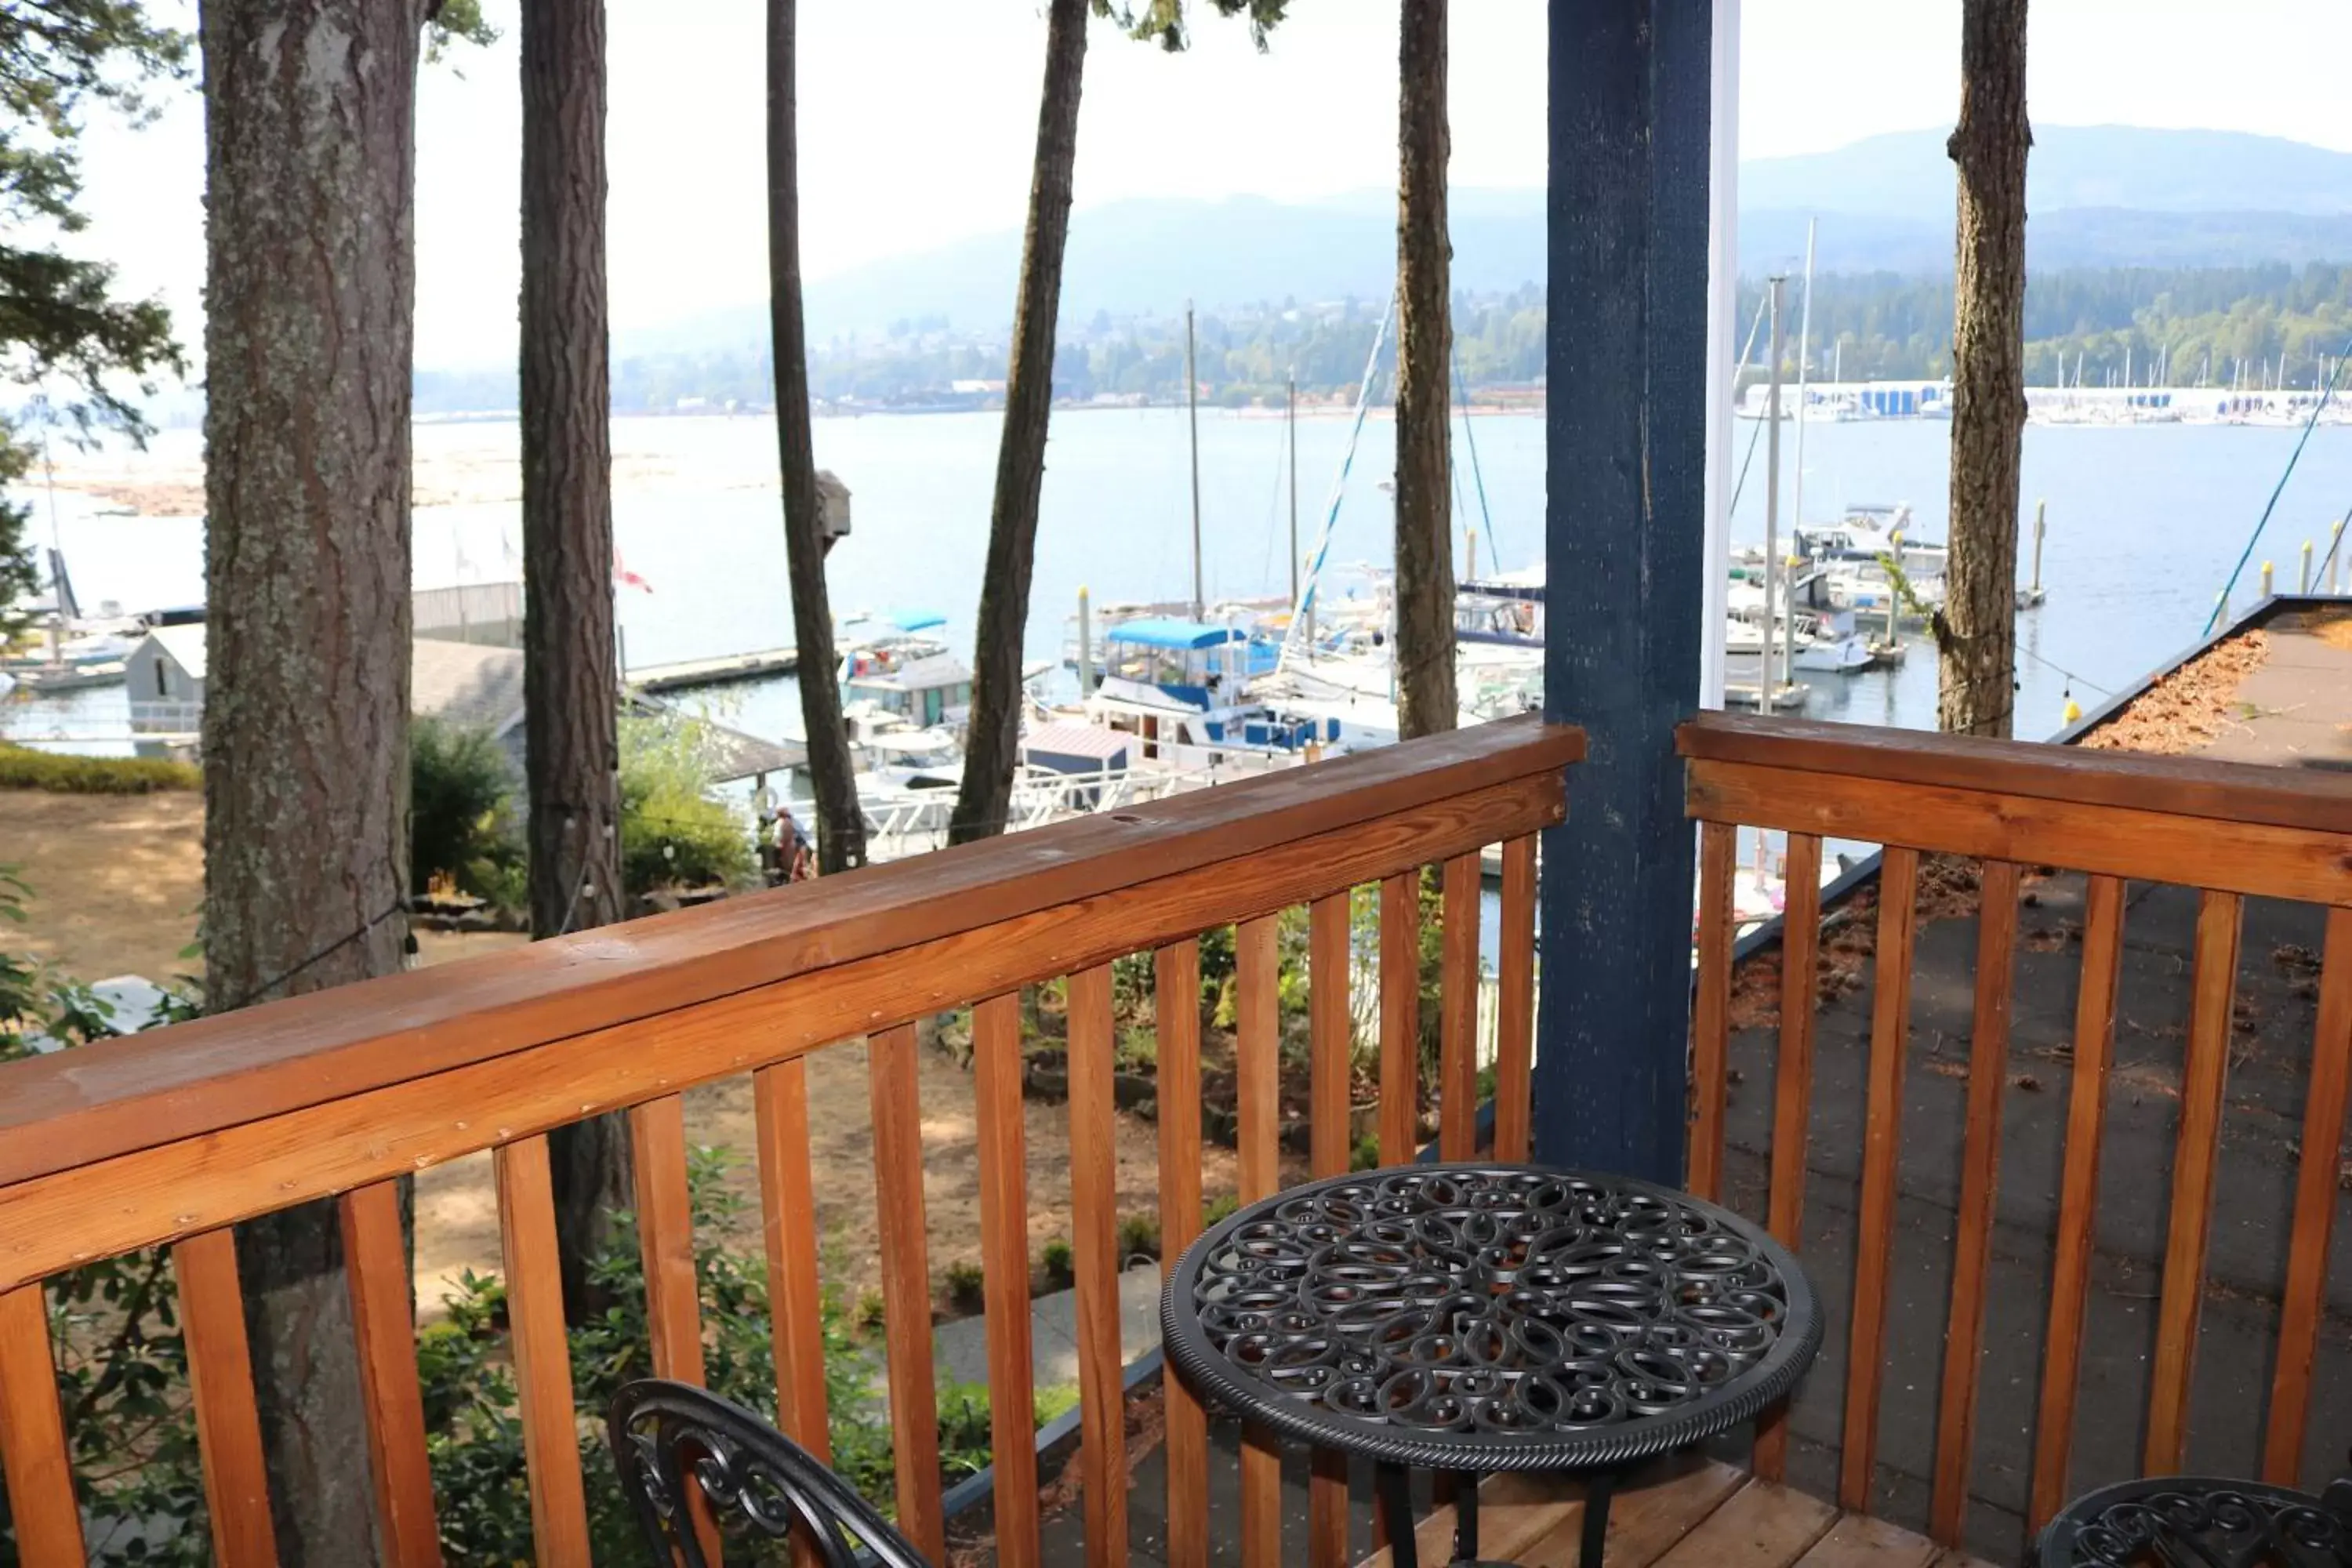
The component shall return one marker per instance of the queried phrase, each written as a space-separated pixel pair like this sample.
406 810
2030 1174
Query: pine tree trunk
1976 634
570 683
985 797
832 776
309 140
1426 703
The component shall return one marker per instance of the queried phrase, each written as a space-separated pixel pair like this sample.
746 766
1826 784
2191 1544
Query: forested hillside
2204 321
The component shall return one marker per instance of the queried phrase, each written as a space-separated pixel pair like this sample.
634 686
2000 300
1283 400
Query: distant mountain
1149 257
1905 174
1774 239
2099 196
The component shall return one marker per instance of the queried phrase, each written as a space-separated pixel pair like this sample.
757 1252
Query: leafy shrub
673 832
462 819
1138 1050
1139 1236
1059 1264
23 767
967 1284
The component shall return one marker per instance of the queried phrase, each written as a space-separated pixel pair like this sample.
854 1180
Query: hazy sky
919 118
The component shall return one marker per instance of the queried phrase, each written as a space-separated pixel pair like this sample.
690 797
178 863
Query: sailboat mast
1804 345
1294 484
1771 505
1192 413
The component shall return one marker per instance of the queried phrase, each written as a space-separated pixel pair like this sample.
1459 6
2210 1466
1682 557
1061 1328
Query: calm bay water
2145 523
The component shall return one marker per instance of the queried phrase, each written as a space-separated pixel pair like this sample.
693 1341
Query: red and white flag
624 578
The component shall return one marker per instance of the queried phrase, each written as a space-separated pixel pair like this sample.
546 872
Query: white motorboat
1873 532
1823 642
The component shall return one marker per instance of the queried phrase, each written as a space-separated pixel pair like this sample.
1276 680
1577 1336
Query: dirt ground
116 878
117 881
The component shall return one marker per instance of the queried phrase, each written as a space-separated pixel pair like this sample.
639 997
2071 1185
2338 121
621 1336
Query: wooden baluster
2317 1181
33 1436
220 1375
1515 1007
1457 1051
665 1247
666 1236
1948 1500
2078 1202
1094 1224
907 1284
1258 1087
1176 1004
1890 1028
2204 1071
795 1292
1400 1017
1792 1107
1330 1148
384 1320
1004 1266
542 1358
1718 843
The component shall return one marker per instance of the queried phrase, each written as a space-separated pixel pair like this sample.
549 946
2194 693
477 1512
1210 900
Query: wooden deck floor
1693 1513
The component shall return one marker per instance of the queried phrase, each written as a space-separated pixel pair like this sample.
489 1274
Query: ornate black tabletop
2162 1521
1479 1318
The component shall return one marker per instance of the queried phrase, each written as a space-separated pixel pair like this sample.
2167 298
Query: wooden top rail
2312 799
127 1142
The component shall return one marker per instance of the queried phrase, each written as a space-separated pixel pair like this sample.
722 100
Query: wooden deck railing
174 1135
2231 832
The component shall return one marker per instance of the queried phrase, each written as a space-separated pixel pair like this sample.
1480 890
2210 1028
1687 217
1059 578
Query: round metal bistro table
2160 1520
1473 1319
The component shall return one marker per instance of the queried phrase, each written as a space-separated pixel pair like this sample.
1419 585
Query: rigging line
1299 612
1470 437
1746 349
1274 506
1744 462
2214 617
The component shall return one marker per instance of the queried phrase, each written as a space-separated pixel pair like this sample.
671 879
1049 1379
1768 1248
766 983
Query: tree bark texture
1426 702
309 150
832 776
985 797
571 679
1976 633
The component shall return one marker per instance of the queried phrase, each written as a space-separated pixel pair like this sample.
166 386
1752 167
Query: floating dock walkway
724 670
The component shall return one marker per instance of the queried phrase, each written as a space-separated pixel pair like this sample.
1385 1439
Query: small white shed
165 678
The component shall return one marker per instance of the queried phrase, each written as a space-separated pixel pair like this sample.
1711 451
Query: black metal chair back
673 1439
2160 1520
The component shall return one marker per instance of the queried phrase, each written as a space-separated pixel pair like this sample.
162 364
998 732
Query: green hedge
21 767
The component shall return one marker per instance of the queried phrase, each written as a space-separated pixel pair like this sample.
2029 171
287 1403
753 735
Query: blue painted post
1625 445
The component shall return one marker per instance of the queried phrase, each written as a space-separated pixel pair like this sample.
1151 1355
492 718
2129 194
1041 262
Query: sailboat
79 655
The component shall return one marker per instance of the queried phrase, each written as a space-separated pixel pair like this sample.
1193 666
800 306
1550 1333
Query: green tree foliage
674 831
1880 325
456 22
462 811
1162 21
2204 320
78 351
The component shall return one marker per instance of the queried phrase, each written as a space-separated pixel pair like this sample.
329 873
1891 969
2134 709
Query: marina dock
724 670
